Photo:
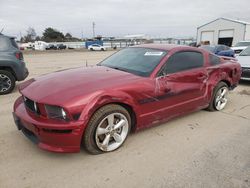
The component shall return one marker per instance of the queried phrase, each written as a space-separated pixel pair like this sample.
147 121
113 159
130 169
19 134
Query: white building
223 31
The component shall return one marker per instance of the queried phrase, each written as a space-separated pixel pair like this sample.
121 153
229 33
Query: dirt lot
203 149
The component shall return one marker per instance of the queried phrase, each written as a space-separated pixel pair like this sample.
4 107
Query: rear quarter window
4 43
214 60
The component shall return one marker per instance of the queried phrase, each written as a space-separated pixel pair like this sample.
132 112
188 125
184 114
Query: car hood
61 87
244 61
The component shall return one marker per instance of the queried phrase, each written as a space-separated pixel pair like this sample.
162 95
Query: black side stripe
156 98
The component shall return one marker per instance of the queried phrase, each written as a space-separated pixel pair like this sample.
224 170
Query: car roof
165 47
2 35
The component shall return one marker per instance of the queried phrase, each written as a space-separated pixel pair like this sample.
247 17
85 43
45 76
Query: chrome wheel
5 83
221 98
111 132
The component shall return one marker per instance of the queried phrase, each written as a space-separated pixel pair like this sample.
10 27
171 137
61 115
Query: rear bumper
22 72
62 137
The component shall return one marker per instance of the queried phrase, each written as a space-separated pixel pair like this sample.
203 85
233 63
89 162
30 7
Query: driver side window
182 61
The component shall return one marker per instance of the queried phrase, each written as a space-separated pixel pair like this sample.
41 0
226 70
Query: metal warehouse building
223 31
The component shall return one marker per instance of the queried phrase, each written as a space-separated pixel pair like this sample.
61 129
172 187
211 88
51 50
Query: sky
155 18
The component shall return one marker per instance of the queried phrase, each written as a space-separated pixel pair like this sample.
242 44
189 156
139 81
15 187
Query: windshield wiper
117 68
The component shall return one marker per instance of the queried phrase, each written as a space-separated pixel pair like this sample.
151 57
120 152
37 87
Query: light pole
93 25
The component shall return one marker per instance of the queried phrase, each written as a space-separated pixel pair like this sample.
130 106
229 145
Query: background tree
38 38
68 36
53 35
30 36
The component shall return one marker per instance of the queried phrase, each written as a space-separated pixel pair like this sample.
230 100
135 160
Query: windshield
208 48
139 61
246 52
239 44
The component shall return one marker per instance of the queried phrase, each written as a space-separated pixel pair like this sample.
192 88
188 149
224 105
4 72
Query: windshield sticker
153 53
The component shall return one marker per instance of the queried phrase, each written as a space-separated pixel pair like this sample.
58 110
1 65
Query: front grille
31 105
245 72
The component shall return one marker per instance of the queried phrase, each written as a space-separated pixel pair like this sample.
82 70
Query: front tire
107 130
219 98
7 82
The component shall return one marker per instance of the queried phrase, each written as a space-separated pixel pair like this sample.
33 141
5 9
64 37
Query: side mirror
162 85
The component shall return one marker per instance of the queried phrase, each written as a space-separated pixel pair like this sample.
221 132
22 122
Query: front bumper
49 135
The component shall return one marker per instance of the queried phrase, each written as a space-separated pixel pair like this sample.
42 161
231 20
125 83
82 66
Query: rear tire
107 129
219 97
7 82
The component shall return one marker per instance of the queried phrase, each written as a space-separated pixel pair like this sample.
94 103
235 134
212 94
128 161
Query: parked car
240 46
12 66
51 47
96 47
134 88
244 60
221 50
61 46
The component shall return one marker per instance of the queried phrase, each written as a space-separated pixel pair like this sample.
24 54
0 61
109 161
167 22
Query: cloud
118 17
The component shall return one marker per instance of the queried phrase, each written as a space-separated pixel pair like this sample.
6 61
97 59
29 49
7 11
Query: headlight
56 112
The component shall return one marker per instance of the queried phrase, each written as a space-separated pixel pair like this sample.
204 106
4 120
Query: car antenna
1 30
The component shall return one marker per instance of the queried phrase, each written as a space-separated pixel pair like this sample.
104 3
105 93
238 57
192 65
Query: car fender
105 98
222 75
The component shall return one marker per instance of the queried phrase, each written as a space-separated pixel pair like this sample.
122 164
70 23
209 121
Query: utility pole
93 26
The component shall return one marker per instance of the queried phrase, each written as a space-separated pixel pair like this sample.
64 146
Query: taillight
19 55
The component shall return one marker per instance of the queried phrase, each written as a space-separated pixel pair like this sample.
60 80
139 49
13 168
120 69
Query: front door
180 87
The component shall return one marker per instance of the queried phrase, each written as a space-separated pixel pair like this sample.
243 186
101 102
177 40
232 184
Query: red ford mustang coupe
134 88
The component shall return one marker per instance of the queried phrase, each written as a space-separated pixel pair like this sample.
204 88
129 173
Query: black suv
12 66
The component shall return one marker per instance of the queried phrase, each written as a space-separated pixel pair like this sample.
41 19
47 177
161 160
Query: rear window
214 60
4 43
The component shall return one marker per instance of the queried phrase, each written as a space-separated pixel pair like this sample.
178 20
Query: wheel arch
121 98
226 82
127 106
132 113
9 69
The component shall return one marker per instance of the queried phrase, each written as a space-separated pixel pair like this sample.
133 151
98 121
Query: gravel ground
202 149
